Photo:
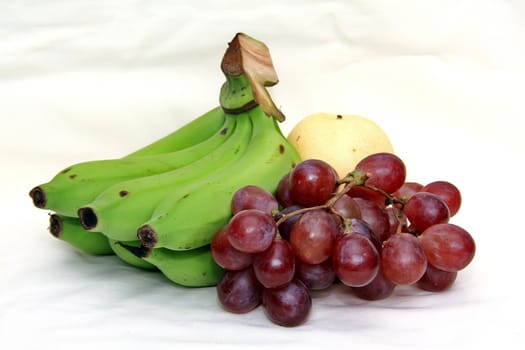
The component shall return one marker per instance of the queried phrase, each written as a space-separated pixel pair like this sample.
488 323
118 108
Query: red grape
253 197
225 255
375 216
356 260
315 276
288 305
313 236
362 228
283 191
386 171
285 227
239 291
449 193
407 190
252 230
396 218
379 288
425 209
312 182
347 207
436 280
448 246
403 260
373 196
374 237
275 266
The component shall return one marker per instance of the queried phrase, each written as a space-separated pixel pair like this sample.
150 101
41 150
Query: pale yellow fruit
340 140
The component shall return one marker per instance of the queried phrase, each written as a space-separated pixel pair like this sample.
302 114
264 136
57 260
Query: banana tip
39 197
147 236
55 225
88 218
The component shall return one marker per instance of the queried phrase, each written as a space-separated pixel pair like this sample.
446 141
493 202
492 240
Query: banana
189 268
126 256
68 229
187 220
119 210
174 204
192 133
81 183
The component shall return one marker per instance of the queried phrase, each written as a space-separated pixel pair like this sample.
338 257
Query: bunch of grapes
371 230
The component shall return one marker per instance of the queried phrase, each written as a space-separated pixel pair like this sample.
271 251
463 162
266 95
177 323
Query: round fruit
340 140
312 182
287 306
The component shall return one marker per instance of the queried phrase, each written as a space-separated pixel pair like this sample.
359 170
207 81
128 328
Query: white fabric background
84 80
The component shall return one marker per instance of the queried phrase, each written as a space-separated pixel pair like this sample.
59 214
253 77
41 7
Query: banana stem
236 95
248 61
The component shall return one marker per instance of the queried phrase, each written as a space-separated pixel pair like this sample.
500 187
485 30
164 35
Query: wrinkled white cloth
83 80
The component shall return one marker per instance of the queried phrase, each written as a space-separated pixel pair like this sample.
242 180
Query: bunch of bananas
159 207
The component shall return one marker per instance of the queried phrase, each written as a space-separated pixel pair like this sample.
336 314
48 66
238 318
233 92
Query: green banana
186 220
126 256
192 133
81 183
68 229
168 195
118 216
189 268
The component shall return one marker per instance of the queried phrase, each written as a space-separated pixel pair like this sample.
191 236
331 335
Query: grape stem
354 178
389 199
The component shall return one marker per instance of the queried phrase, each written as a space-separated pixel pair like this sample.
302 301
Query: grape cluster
371 230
